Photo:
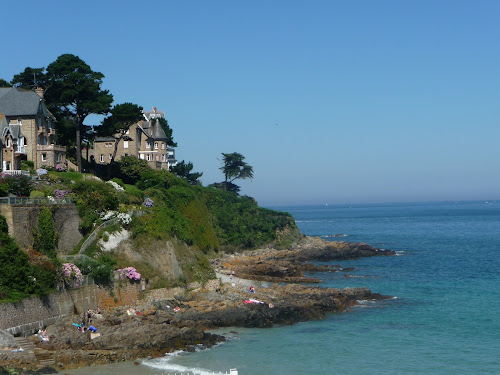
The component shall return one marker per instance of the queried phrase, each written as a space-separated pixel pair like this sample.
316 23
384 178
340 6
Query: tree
168 132
234 168
184 170
74 89
119 122
30 78
4 83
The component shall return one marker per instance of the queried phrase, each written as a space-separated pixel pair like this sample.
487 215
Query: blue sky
329 101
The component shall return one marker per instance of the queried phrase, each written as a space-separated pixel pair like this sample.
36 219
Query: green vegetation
22 275
17 185
45 237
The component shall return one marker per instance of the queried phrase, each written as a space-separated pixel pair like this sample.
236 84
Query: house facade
27 130
145 140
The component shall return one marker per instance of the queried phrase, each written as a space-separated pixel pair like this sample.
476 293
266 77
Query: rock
6 339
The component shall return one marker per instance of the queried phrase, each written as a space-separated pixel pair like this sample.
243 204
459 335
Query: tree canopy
118 123
234 167
168 132
74 90
30 78
183 170
4 83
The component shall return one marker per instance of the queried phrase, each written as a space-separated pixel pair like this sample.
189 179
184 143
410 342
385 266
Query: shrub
71 275
19 278
20 186
37 194
130 169
129 272
101 270
45 238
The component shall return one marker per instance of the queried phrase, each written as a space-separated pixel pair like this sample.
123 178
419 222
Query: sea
443 317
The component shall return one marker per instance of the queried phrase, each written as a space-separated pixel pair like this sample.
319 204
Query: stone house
27 131
145 140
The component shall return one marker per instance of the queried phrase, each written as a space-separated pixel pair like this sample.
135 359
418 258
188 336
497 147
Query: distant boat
326 204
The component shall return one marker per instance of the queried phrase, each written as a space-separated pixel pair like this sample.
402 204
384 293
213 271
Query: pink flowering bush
72 275
129 272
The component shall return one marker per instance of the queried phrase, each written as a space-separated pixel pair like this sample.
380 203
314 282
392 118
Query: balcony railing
20 149
51 148
17 172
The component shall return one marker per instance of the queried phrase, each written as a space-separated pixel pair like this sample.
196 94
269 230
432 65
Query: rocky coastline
181 322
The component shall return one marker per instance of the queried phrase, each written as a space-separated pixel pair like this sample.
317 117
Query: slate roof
5 128
158 133
18 102
153 114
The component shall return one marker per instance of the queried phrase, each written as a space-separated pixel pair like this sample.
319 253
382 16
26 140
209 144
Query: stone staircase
43 357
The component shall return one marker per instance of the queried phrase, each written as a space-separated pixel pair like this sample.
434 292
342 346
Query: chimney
39 91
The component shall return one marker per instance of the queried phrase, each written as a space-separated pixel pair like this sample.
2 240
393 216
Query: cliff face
22 220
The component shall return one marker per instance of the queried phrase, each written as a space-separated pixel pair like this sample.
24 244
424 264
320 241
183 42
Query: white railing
32 201
17 172
20 149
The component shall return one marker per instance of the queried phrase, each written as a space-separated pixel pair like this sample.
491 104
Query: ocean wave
164 364
400 253
365 301
334 235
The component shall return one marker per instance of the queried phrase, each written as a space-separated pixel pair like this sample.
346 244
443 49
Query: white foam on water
164 364
399 253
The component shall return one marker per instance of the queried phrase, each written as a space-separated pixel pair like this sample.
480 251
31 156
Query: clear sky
329 101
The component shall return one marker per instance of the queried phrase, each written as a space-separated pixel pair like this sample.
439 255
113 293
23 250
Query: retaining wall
22 219
31 314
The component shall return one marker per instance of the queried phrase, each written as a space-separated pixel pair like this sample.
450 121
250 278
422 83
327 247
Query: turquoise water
444 319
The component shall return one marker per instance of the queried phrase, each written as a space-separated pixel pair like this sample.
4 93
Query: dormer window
156 145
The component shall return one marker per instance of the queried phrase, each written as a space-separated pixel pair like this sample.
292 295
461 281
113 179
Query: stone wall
31 314
123 293
23 219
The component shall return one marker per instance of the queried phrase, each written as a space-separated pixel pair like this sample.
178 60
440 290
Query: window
19 121
125 144
7 143
126 154
102 158
157 157
148 145
162 157
110 156
148 157
127 132
156 145
44 156
163 146
142 156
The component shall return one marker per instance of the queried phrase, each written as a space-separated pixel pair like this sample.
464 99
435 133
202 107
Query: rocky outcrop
289 265
178 320
6 339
